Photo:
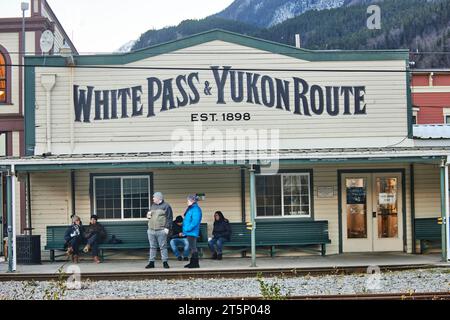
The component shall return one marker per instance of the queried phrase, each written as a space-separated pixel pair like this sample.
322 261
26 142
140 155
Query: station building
251 126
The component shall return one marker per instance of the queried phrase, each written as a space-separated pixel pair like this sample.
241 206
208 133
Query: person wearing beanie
178 240
159 225
191 228
95 234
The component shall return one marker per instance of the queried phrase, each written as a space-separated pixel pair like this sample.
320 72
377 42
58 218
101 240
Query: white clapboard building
317 139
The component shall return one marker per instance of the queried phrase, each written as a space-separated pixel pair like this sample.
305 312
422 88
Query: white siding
384 124
222 186
427 190
50 195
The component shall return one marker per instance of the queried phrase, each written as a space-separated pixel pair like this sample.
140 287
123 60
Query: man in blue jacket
191 228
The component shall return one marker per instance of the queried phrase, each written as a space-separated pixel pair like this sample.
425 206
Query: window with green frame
283 195
121 197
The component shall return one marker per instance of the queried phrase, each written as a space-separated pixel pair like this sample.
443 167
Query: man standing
159 225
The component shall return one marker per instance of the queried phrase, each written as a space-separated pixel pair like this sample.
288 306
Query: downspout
71 119
48 82
30 225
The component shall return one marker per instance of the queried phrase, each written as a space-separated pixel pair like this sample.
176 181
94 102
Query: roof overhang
235 159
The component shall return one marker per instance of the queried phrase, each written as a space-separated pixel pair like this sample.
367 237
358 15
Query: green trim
370 171
30 117
413 206
227 36
128 165
443 238
152 165
409 110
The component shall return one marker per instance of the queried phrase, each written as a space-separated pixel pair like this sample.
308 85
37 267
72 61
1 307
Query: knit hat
158 195
179 219
192 197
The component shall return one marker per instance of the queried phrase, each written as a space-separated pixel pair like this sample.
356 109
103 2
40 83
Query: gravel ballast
422 280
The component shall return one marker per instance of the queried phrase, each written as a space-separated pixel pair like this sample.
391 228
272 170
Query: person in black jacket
95 233
177 239
221 233
74 237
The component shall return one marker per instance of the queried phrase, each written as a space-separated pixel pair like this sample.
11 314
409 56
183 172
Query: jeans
216 242
74 243
158 238
92 241
180 242
193 245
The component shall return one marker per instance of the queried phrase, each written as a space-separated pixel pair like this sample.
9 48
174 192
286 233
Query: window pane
106 198
296 195
136 196
268 196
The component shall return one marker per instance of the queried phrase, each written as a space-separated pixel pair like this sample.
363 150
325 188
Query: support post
10 214
253 213
447 209
443 210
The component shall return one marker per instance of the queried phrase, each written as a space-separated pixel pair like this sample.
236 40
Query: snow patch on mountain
126 47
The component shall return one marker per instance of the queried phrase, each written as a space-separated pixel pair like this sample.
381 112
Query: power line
209 69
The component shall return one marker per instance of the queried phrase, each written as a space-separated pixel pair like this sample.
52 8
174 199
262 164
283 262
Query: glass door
357 203
387 215
372 212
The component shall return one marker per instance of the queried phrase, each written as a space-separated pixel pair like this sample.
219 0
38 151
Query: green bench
273 233
427 229
132 233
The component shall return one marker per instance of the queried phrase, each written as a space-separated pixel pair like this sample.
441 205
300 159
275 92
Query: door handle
374 214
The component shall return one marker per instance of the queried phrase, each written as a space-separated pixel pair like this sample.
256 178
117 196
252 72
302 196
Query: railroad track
206 273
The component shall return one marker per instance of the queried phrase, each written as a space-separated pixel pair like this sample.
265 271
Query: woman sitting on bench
221 233
74 238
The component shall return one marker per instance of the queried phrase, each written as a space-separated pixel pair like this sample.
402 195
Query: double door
372 212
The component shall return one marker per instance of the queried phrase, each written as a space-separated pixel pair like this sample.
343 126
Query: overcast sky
105 25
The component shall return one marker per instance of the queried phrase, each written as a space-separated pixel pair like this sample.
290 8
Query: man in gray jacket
159 225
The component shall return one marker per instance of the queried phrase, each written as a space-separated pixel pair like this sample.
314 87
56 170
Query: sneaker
166 265
219 256
179 258
96 260
150 265
186 258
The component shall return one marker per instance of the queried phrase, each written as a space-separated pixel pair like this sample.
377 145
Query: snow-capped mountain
126 47
265 13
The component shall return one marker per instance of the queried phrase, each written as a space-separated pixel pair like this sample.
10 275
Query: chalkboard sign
356 195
